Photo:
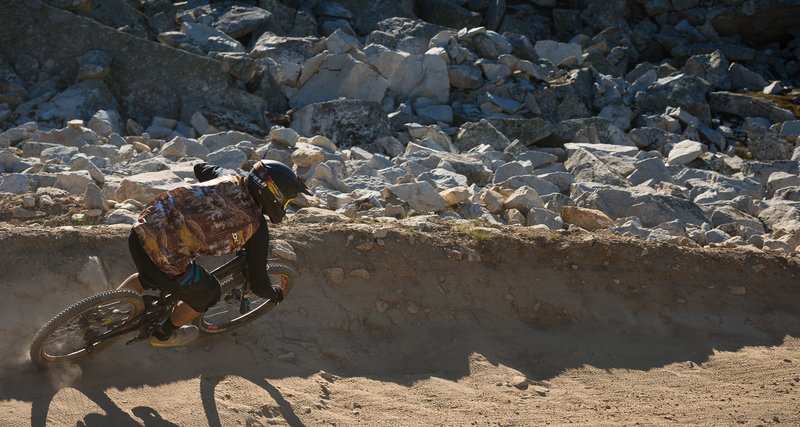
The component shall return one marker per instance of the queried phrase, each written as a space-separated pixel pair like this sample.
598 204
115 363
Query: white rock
557 52
286 137
684 152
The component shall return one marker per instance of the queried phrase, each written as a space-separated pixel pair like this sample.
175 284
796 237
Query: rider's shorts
195 286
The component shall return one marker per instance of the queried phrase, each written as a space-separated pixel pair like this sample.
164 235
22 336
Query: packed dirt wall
416 312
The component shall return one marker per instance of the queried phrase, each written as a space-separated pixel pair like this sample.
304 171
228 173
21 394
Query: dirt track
605 329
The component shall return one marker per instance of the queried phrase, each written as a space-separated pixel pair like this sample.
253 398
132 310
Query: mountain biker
220 215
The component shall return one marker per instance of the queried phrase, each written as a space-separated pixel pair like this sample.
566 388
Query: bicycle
95 323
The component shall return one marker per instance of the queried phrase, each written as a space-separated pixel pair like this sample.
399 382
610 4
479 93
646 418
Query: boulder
420 196
144 187
586 218
346 122
340 76
471 135
424 75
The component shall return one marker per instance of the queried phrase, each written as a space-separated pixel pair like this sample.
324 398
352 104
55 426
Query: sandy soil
453 326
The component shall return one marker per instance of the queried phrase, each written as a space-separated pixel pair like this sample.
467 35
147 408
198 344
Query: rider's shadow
208 394
85 400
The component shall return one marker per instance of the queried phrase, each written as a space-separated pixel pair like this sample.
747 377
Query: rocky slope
543 211
645 118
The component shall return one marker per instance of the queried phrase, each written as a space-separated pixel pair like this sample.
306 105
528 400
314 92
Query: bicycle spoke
74 336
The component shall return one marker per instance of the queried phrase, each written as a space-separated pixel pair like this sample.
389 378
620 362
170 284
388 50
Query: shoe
182 336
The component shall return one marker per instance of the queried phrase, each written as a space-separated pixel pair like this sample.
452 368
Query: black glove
267 290
277 294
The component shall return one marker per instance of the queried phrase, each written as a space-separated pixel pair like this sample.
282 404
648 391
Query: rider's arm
256 253
207 171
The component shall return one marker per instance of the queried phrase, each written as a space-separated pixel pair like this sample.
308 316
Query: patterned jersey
215 217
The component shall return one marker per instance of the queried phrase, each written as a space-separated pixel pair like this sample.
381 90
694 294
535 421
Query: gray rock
423 75
472 134
712 67
14 183
214 142
524 199
542 186
346 122
791 193
766 144
81 100
442 179
286 48
176 147
60 153
228 157
11 163
652 209
121 216
420 196
235 20
684 152
650 169
686 91
742 78
557 52
536 158
82 162
561 179
761 171
747 106
105 122
716 236
93 198
588 167
363 182
465 76
383 59
527 131
781 215
144 187
594 130
651 138
724 215
510 169
150 164
74 182
340 42
791 128
779 180
435 114
340 76
210 39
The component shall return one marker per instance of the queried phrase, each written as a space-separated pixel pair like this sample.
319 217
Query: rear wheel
66 336
225 315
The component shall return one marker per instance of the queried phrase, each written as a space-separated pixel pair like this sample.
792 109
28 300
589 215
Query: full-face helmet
274 185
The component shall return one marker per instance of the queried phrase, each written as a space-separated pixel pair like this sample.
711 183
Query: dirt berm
454 325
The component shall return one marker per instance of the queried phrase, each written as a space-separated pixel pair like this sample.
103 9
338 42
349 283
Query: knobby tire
44 348
215 319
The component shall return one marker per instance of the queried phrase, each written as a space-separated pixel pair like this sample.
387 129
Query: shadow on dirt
538 306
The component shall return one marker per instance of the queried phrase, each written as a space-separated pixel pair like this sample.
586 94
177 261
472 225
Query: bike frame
154 313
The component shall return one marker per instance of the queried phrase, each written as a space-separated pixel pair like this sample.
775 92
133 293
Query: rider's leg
182 314
132 283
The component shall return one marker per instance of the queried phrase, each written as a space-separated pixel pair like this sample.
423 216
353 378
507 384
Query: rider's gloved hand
277 293
270 291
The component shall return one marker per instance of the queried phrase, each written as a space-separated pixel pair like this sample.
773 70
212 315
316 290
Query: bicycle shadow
96 407
407 356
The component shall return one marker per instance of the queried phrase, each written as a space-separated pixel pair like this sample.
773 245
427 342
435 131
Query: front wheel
225 315
68 335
